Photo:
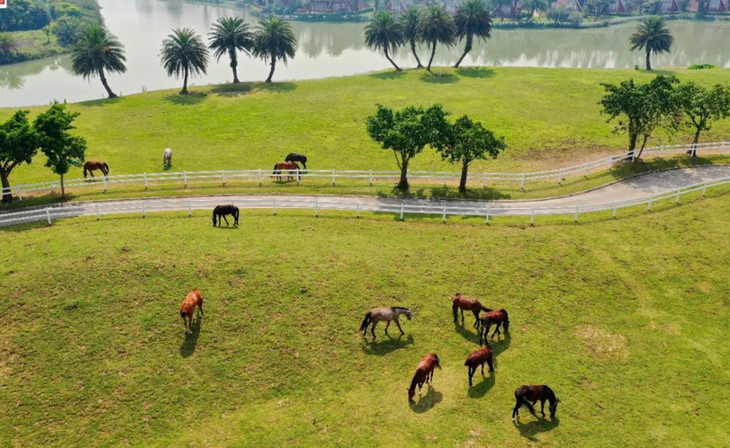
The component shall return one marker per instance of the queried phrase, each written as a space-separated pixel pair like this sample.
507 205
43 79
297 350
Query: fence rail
259 175
318 204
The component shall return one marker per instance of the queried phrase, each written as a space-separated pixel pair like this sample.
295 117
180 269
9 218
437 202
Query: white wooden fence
485 210
260 175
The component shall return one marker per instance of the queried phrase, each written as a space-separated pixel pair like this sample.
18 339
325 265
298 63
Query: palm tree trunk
467 49
433 53
184 90
106 85
7 196
391 61
413 49
273 67
234 65
648 60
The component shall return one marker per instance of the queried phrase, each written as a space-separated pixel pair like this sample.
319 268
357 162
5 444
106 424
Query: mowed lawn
626 319
548 117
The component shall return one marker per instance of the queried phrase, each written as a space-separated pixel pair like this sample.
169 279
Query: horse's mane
402 308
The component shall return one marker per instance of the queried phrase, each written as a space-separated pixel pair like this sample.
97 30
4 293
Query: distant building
573 4
507 11
712 7
398 6
330 7
666 6
616 7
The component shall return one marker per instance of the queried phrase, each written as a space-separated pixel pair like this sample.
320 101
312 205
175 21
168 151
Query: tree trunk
234 65
643 144
464 173
184 90
632 145
391 61
467 49
106 85
648 60
693 151
7 196
273 67
63 190
403 184
433 53
413 49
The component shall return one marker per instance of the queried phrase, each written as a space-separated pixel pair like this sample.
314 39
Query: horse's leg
462 316
386 327
401 330
372 329
482 369
476 317
491 366
224 217
542 407
200 306
471 374
496 330
516 410
455 309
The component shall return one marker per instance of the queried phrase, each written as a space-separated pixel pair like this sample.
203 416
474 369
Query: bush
701 66
67 28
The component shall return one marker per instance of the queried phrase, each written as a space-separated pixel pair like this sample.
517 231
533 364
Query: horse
282 166
167 158
478 358
90 166
424 373
387 314
220 212
294 157
193 299
524 395
499 317
467 303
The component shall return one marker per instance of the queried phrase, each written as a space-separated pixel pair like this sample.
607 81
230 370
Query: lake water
335 49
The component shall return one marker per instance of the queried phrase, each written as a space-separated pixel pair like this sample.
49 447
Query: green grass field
626 319
548 117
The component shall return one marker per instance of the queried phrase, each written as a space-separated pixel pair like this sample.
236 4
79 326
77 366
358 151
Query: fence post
522 182
261 181
274 205
401 211
333 177
316 207
190 209
648 207
185 178
443 216
704 189
371 178
357 208
48 215
223 173
575 218
144 209
20 192
722 148
444 180
98 216
614 211
532 216
485 176
585 169
560 175
610 160
486 220
678 191
146 184
104 180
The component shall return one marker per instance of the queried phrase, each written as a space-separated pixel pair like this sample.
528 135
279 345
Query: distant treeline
25 15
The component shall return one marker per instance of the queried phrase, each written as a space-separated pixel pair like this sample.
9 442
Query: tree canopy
274 40
184 53
95 51
230 35
701 106
18 145
472 19
384 32
653 36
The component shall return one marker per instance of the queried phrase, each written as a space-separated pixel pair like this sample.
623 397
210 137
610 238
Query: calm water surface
330 49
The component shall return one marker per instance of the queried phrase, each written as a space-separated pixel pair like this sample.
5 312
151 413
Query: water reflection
337 49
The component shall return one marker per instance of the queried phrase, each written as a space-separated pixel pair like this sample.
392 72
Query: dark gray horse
294 157
220 212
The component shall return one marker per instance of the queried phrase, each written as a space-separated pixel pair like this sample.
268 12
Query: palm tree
95 51
472 19
436 26
409 25
652 35
385 33
183 52
274 40
229 35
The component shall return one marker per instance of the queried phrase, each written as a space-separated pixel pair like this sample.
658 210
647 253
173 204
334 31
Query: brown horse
529 395
424 374
91 166
467 303
292 167
193 299
498 317
478 358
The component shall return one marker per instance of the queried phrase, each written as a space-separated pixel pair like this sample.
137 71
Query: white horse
384 314
167 158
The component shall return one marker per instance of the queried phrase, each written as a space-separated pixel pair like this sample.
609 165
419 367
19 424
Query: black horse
529 395
220 212
294 157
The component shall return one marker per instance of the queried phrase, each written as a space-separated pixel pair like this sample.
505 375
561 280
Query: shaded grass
96 353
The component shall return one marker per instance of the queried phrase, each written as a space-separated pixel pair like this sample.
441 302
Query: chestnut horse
91 166
387 314
193 299
491 317
292 167
478 358
424 373
529 395
467 303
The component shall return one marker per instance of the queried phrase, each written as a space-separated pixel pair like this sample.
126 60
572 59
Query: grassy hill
627 320
547 116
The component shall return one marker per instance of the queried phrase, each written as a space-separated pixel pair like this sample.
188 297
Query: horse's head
409 314
438 361
554 407
411 393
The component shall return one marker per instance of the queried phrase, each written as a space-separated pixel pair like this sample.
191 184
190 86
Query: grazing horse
529 395
167 158
387 314
193 299
292 167
294 157
478 358
424 373
90 166
220 212
467 303
491 317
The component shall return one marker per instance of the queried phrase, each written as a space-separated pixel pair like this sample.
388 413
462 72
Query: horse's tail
366 321
485 309
273 173
506 320
106 167
414 381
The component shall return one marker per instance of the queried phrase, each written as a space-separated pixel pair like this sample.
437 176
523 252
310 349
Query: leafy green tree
701 106
55 140
436 26
48 30
385 33
597 8
643 108
97 50
18 144
229 35
409 25
274 40
183 52
7 44
67 29
653 36
406 132
466 141
472 20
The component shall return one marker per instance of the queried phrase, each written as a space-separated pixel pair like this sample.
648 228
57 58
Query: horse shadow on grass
390 344
467 332
480 389
426 402
501 343
191 339
532 429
